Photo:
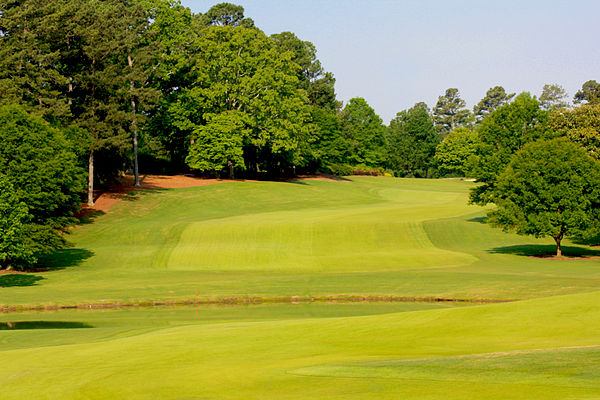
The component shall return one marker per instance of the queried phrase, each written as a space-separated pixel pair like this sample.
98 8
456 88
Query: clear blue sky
397 53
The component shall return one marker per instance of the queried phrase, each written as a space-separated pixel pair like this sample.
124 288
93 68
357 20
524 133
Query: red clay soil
105 200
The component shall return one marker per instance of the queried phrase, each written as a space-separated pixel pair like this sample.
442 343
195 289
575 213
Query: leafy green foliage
40 171
453 153
412 140
550 188
219 142
363 130
31 46
225 14
501 134
325 148
581 125
13 216
238 69
589 93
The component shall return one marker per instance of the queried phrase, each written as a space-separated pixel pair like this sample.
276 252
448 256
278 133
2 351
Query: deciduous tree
581 125
501 134
40 170
550 188
412 139
364 132
453 153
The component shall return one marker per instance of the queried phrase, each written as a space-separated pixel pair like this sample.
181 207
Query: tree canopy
363 130
450 112
550 188
452 155
40 172
412 139
501 134
494 98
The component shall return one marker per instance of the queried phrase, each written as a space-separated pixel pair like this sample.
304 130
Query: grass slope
500 351
370 236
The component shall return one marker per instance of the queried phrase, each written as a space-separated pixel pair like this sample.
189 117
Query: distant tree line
90 89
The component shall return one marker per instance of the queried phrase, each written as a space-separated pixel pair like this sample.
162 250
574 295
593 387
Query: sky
397 53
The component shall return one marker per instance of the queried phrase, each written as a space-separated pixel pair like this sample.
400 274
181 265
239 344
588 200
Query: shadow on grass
12 280
481 220
543 251
64 258
87 219
21 325
138 194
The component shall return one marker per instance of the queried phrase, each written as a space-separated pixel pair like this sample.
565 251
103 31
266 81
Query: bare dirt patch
105 200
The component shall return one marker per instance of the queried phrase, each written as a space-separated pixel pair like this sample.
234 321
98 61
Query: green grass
370 236
309 356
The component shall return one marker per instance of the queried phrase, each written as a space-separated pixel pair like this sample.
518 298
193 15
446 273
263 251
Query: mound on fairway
366 237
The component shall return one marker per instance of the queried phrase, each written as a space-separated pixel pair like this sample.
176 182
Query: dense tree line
103 87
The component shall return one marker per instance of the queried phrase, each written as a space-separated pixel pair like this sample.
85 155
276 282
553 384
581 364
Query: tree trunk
230 164
136 172
91 179
558 249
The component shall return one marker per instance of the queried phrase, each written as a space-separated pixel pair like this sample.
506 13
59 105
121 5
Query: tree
40 171
553 98
494 98
318 84
325 146
363 130
453 153
30 56
411 139
450 112
550 188
501 134
589 93
13 216
225 14
581 125
219 143
238 72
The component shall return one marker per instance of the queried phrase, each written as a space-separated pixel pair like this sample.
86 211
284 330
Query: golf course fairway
512 325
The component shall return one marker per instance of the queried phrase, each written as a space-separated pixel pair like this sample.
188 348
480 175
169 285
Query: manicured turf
368 237
299 357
